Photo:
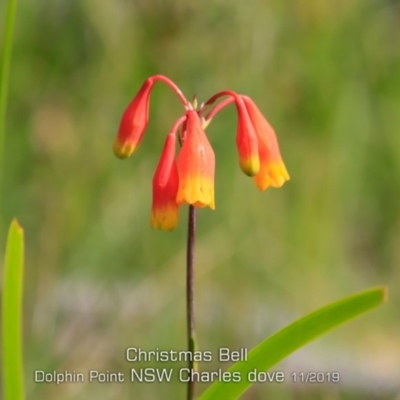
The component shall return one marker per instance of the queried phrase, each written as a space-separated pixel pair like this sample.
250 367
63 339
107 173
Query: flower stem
175 88
218 108
230 93
190 297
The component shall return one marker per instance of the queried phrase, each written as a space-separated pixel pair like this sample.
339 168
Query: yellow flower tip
197 191
123 151
165 219
250 165
278 175
274 175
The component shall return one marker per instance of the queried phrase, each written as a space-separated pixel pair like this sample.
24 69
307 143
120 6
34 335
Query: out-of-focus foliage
98 279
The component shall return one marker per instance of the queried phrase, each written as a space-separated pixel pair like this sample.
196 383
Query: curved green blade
12 314
5 62
292 337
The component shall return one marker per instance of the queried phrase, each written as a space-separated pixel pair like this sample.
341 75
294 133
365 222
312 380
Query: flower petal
196 165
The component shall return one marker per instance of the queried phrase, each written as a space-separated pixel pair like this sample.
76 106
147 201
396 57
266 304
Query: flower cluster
189 176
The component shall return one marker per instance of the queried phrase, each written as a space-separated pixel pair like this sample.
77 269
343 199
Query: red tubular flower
164 211
246 141
272 169
134 122
190 178
196 165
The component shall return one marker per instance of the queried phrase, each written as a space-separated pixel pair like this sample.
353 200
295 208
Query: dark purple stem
190 296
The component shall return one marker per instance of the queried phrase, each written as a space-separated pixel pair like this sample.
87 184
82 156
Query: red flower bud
134 122
164 211
246 141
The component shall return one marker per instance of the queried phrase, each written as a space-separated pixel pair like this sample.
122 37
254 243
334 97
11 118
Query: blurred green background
98 279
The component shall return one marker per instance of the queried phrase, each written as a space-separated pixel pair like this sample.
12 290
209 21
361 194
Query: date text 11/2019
315 377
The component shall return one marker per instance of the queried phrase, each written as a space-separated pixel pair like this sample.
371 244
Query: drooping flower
133 122
190 178
196 165
272 169
246 141
164 211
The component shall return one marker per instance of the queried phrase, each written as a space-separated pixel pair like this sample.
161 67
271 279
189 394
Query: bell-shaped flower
246 141
133 122
164 211
272 169
196 165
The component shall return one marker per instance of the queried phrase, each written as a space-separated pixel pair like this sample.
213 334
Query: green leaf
12 314
294 336
4 73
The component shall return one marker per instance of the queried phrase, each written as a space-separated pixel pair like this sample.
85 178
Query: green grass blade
4 74
12 314
294 336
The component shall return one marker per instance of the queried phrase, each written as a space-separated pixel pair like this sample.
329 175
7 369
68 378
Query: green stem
190 297
4 76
